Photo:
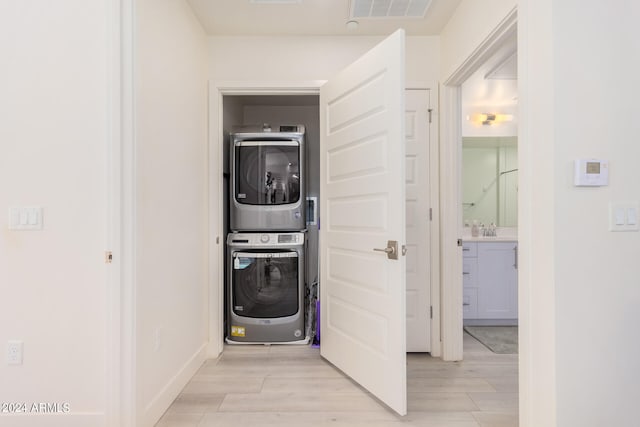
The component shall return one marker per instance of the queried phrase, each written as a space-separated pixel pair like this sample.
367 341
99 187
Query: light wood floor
292 386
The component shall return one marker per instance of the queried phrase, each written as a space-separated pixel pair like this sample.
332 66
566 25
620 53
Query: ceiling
310 18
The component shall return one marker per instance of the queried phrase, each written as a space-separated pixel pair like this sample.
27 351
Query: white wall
301 59
595 68
53 133
172 200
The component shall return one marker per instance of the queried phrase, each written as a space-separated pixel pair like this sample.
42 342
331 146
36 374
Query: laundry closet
271 185
368 157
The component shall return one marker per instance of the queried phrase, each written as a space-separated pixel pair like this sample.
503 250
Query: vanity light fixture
488 119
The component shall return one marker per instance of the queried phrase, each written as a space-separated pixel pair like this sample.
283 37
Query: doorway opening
453 297
240 108
267 111
489 177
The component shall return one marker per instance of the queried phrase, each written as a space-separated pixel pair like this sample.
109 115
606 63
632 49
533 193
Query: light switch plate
623 216
25 218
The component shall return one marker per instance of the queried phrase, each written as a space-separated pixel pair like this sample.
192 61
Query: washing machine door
267 172
265 285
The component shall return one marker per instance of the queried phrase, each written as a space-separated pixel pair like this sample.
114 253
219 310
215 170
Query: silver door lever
391 250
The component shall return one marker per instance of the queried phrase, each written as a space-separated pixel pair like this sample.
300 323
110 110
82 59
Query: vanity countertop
504 234
490 239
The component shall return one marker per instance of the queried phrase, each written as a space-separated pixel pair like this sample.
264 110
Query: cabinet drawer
469 249
470 303
469 272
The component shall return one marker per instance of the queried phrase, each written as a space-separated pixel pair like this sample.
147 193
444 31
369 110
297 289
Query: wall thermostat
591 173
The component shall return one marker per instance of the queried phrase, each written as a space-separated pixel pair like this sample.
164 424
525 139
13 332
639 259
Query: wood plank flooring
292 386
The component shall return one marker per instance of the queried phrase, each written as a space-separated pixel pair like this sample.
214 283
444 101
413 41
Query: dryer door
265 285
267 172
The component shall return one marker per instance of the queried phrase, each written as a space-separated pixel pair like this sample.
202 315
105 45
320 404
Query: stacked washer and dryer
266 244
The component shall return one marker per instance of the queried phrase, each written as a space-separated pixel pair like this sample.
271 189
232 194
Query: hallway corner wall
172 202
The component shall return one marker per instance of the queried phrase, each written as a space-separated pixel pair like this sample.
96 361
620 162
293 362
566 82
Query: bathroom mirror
490 180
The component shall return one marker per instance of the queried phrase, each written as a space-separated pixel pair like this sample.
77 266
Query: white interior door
362 291
418 222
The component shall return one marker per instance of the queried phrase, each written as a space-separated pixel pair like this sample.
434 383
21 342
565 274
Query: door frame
217 90
120 358
451 202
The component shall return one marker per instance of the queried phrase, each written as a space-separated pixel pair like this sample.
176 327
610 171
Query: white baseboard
159 404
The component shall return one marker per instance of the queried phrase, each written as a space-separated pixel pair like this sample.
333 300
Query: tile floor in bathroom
292 386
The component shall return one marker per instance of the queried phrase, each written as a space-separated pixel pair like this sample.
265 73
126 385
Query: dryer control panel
265 239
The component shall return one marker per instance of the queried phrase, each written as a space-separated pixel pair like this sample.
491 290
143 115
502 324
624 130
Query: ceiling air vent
389 8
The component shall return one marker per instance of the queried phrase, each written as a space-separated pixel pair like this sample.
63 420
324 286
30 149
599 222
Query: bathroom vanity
490 280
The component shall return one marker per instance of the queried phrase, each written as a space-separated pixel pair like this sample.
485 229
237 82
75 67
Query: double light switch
25 218
623 216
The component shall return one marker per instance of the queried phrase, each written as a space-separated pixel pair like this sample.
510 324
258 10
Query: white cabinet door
418 238
362 175
497 281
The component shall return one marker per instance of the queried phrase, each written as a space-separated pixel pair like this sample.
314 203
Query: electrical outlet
14 352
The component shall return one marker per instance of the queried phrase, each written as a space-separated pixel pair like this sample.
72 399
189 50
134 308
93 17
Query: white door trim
217 90
120 200
435 235
450 160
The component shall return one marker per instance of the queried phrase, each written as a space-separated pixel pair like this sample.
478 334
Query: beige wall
171 202
302 59
595 68
537 227
53 139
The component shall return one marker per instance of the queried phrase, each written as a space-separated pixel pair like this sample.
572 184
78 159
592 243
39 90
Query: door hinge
430 312
430 214
108 257
430 110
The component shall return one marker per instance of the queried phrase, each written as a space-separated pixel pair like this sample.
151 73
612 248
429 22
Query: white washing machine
266 288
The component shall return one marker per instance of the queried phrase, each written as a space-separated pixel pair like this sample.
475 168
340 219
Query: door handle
391 250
